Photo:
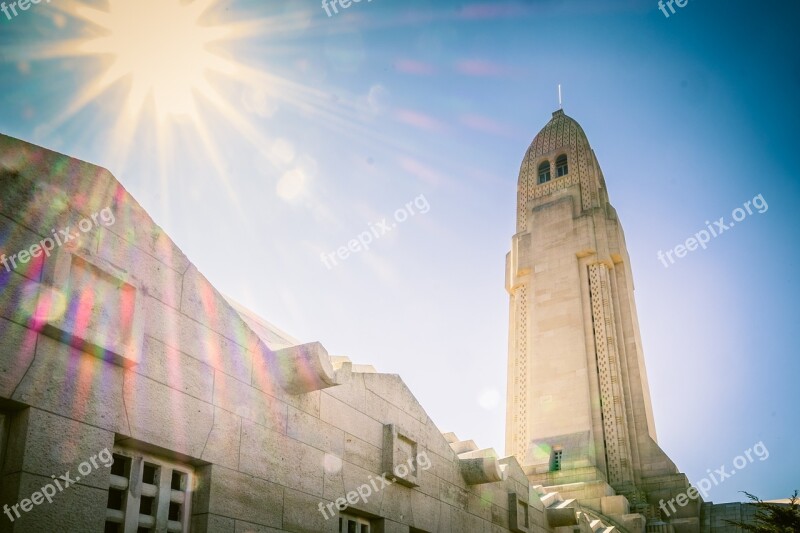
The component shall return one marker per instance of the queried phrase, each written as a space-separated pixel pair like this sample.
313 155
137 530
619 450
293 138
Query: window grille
556 461
148 494
353 524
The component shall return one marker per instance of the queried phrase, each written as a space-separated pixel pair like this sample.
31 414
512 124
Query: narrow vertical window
555 460
544 172
561 166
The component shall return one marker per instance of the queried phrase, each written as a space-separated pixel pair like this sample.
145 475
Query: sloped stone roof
561 132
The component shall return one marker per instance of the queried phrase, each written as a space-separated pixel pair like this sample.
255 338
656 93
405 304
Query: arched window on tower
544 172
561 166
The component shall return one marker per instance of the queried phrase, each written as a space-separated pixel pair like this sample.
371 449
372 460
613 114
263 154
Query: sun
161 47
158 58
179 73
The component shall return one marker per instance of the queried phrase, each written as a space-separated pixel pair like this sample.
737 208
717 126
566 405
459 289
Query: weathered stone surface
352 478
353 393
454 495
360 452
17 349
341 415
396 502
76 508
226 492
19 300
479 470
15 238
445 469
166 417
280 459
42 200
222 446
392 389
156 278
303 368
73 384
388 413
425 511
175 329
390 526
247 527
249 402
301 513
175 369
436 442
310 430
135 226
200 301
265 381
46 444
211 523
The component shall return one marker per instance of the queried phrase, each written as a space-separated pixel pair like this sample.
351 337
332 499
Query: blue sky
327 125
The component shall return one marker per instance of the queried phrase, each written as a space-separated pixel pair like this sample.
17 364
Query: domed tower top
558 157
560 133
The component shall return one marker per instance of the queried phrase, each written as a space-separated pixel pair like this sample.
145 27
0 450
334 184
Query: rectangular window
556 460
561 166
353 524
148 494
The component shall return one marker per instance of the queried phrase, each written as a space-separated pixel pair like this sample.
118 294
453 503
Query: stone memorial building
135 397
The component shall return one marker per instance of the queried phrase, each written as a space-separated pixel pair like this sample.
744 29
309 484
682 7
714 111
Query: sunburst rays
159 63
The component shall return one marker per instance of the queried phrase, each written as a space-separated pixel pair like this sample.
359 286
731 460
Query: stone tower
578 404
